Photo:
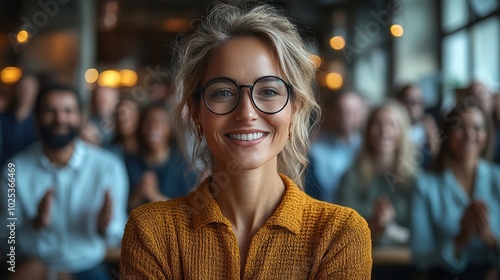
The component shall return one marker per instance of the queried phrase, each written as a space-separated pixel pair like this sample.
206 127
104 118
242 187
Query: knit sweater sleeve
140 250
349 255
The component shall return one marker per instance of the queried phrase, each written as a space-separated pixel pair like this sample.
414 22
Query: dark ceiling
144 29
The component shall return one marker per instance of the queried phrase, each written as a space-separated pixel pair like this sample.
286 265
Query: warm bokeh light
397 30
316 59
175 24
109 78
337 42
10 75
22 37
91 75
128 78
334 80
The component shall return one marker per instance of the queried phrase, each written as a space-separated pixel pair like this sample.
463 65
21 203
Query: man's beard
57 141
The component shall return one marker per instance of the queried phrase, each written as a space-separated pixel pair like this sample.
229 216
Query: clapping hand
475 221
105 214
42 218
383 215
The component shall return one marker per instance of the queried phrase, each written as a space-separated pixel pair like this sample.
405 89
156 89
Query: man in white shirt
70 197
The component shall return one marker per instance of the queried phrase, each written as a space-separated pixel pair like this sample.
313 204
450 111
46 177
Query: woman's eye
267 93
222 94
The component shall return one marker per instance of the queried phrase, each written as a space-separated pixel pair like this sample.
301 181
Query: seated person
337 145
380 184
70 196
455 225
159 171
17 124
422 132
103 103
127 123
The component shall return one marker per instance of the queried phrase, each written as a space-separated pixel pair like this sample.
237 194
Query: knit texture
189 238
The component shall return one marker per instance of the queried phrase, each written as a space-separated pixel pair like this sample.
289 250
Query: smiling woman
244 81
455 225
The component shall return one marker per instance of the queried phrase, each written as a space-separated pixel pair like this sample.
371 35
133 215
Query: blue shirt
71 241
329 159
175 176
15 135
438 206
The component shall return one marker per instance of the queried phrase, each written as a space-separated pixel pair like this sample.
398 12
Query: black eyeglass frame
289 89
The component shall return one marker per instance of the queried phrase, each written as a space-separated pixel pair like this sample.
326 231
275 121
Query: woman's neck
384 161
129 144
247 197
157 155
465 172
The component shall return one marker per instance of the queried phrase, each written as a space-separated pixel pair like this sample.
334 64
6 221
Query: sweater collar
205 210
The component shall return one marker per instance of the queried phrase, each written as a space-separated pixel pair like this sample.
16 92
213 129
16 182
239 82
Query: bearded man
70 197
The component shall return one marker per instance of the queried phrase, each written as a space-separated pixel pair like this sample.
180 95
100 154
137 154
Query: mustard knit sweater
189 238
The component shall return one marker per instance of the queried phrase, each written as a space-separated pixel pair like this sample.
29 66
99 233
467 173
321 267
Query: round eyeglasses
269 94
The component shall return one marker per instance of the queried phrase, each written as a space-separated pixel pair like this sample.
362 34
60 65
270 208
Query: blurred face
413 102
247 135
59 119
26 90
127 118
384 132
155 129
349 114
482 96
105 100
468 139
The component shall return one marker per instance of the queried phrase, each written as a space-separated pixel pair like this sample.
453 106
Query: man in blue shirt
70 197
337 145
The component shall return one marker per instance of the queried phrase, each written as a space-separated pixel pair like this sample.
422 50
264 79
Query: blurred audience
160 92
423 127
71 197
90 133
159 171
380 184
455 224
103 105
17 124
478 94
336 146
126 125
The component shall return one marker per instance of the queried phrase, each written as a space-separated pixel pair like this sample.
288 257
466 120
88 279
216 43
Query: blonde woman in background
379 186
245 85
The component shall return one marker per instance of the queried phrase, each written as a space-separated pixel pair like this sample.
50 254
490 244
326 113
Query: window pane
486 42
455 62
484 7
455 14
370 75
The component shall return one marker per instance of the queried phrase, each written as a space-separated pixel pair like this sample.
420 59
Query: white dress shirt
71 241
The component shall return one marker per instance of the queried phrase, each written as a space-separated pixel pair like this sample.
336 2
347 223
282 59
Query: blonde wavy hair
223 23
405 163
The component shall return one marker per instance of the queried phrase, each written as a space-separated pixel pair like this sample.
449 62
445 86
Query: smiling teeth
247 137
